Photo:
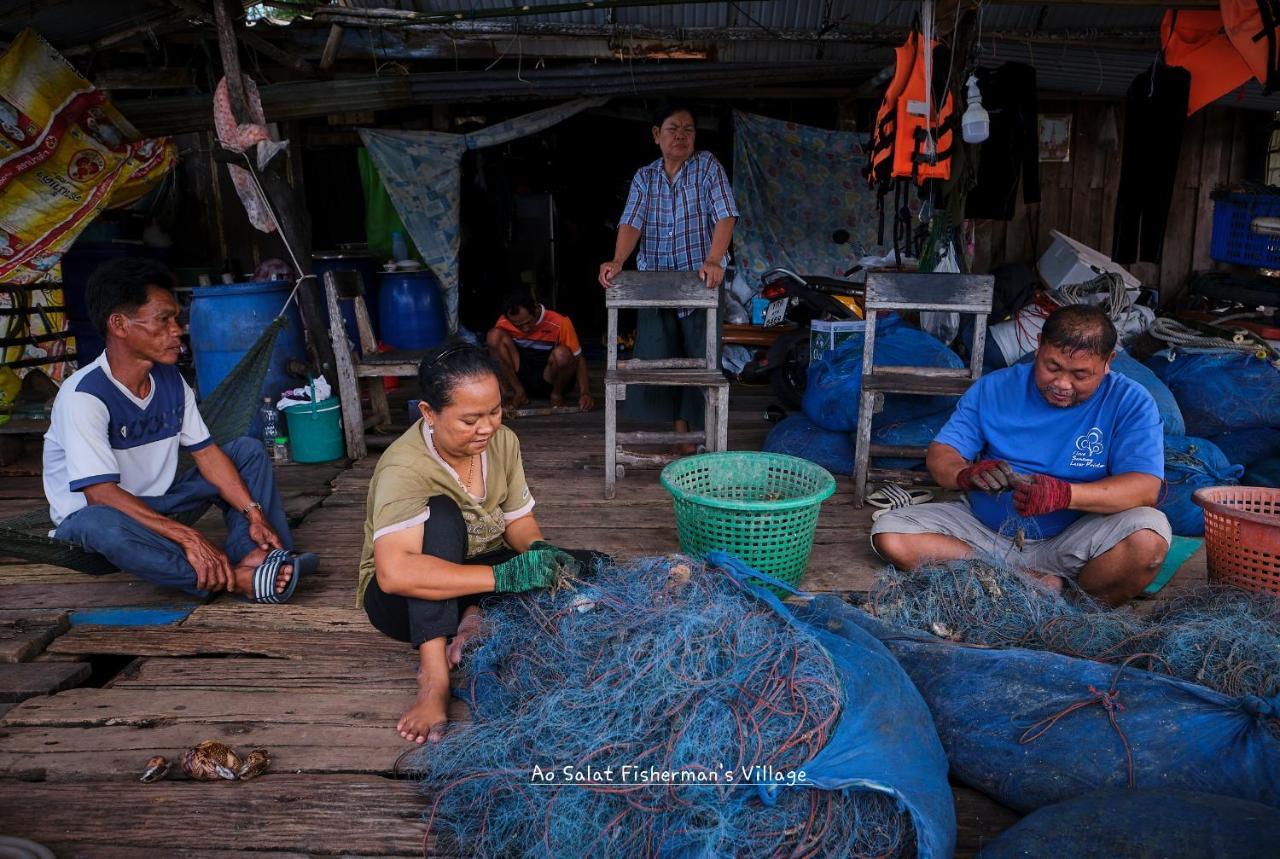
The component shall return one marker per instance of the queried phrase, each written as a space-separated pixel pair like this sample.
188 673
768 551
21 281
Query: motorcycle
798 299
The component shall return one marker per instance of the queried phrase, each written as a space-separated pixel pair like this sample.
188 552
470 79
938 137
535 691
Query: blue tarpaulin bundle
665 665
1245 447
1170 414
1264 472
1220 391
796 435
1032 728
831 399
1190 464
1143 824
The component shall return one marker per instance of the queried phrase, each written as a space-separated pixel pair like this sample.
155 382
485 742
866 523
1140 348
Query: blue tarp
1032 728
885 740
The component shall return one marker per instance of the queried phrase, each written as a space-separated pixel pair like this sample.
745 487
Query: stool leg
862 447
610 439
722 418
709 418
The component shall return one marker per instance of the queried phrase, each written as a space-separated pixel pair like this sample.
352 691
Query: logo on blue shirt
1088 446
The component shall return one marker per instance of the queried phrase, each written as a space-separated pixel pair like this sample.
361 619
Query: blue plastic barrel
227 319
367 267
411 310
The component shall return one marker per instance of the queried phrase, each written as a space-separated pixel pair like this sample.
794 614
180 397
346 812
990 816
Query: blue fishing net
658 667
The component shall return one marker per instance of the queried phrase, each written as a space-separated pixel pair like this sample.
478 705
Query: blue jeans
132 546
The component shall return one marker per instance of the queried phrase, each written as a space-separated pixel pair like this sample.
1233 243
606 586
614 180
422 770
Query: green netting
227 412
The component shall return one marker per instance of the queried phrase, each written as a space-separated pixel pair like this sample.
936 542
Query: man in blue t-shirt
111 457
1061 461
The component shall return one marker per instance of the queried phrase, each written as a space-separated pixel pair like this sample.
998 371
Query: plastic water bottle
399 249
281 450
270 420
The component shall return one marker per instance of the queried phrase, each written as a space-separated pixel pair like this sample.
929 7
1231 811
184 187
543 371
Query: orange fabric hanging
1196 41
1253 26
913 126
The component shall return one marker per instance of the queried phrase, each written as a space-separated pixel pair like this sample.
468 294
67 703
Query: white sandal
891 496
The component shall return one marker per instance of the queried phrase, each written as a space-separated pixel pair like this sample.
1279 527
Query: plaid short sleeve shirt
676 218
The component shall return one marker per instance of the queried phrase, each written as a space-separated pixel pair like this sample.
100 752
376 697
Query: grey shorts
1064 555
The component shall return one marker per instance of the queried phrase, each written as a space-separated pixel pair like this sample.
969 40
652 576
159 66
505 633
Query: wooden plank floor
310 681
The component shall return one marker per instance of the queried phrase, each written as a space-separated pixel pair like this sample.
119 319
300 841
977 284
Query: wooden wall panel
1079 196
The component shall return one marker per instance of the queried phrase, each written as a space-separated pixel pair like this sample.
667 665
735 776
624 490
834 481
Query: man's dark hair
670 106
447 366
516 299
120 286
1080 328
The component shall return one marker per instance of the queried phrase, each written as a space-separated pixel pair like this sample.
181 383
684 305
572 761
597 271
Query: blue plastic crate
1233 237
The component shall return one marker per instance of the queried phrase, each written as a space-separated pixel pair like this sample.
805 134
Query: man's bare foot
427 717
468 628
243 573
1049 582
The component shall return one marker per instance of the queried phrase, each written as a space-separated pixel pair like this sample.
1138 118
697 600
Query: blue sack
1190 464
1125 365
1142 824
832 396
1247 446
1220 391
1264 472
885 740
1031 728
796 435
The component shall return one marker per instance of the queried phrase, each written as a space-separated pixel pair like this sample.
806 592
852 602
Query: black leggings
444 537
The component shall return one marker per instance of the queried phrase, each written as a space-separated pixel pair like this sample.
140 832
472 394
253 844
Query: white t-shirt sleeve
195 435
83 427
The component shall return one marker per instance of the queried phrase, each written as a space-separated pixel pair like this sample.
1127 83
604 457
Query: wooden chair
662 290
967 294
357 371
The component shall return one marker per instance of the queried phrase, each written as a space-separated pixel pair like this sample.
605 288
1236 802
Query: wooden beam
163 78
331 44
281 56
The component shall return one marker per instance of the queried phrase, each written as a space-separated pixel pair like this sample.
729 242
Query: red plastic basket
1242 536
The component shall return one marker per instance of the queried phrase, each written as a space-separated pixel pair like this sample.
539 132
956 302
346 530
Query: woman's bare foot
468 628
427 716
243 573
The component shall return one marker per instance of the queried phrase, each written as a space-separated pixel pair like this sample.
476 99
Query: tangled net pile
663 665
1217 636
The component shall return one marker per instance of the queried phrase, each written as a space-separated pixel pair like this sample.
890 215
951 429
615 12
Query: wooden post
290 210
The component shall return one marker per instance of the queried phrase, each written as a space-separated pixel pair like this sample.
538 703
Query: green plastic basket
760 507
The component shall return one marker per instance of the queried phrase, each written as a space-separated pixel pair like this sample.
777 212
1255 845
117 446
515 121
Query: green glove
536 568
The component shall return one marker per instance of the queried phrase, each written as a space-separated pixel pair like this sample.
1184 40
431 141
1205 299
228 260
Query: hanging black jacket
1012 152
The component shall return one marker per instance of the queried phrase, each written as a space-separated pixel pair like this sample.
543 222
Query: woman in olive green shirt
449 520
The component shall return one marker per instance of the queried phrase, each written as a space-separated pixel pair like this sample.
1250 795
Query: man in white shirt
111 457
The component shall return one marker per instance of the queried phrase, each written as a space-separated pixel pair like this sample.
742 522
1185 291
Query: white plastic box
1067 261
825 336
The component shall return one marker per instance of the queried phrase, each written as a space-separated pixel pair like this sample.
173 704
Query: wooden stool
667 290
367 371
966 294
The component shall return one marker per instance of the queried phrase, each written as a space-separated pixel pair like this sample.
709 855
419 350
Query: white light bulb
975 125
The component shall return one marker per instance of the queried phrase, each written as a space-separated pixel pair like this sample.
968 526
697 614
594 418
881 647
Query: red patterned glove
987 475
1043 494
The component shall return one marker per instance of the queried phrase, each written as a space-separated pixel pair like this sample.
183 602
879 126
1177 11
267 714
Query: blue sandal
264 577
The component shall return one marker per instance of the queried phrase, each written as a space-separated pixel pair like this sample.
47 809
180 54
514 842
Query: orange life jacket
1195 41
884 132
1253 26
912 158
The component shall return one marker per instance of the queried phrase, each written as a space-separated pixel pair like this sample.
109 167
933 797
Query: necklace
471 473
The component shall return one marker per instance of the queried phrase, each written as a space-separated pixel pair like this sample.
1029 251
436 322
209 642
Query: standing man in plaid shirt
680 212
